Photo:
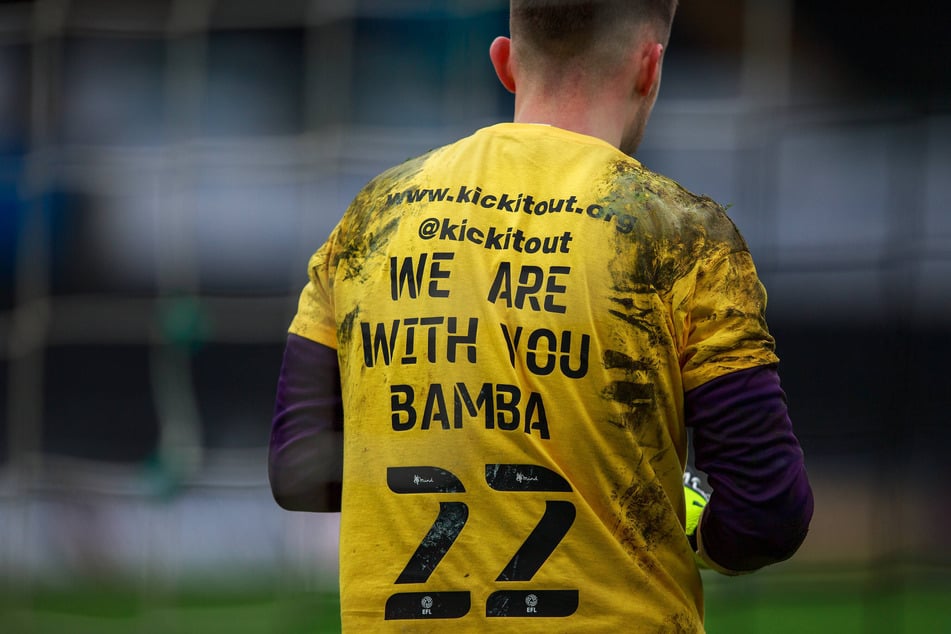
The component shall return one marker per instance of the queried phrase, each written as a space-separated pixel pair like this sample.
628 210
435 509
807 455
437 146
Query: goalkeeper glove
696 499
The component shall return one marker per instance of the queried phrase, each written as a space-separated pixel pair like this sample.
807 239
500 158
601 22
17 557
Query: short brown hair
559 30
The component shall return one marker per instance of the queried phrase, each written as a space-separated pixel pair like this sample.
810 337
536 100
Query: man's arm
762 501
305 458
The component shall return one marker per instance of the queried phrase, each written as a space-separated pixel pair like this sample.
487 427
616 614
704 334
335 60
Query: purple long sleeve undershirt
762 501
306 447
743 440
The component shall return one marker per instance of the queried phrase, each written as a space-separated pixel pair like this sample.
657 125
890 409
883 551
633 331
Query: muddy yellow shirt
517 316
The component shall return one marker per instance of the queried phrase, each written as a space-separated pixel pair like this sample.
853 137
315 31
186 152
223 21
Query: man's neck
604 119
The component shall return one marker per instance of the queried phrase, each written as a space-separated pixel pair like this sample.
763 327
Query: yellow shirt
517 316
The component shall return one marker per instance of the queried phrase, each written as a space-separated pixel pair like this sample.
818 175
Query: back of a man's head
563 31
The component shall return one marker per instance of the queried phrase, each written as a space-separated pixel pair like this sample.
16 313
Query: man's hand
696 499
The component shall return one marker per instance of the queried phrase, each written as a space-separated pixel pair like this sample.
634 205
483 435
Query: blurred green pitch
793 604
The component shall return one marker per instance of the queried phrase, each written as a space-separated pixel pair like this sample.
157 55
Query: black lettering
463 404
437 273
511 343
502 285
553 288
447 231
535 417
507 398
475 235
432 322
565 360
380 344
534 351
493 240
468 340
625 223
410 357
545 351
508 238
529 201
530 282
414 195
500 406
464 195
519 239
403 276
565 239
437 195
401 402
435 408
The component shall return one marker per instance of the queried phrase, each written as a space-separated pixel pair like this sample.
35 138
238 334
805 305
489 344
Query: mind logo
520 477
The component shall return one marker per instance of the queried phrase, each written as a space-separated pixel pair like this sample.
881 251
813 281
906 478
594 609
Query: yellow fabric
532 297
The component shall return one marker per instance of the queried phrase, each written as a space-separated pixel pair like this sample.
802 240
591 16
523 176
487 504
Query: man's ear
500 52
649 60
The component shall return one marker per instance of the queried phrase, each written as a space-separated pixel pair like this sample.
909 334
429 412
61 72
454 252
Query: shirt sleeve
315 319
762 502
305 454
726 321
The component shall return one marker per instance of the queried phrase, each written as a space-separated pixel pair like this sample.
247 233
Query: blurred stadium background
168 166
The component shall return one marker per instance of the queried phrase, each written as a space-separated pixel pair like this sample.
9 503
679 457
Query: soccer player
501 347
